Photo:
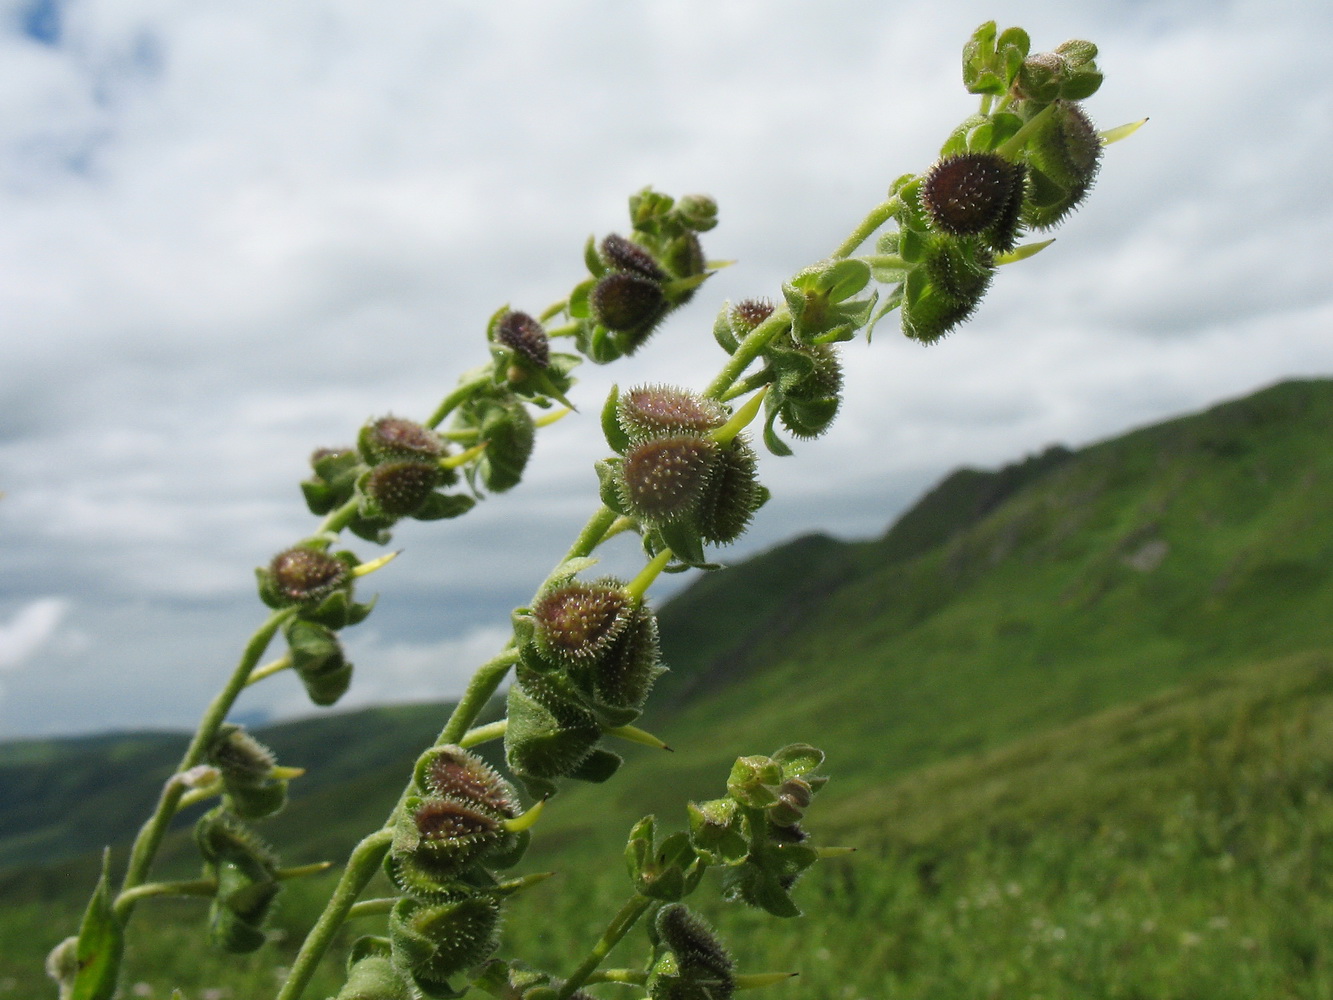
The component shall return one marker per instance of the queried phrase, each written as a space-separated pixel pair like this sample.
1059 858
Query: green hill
1094 675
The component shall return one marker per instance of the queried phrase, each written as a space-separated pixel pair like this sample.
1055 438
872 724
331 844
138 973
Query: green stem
879 215
750 348
372 907
637 587
151 833
1010 148
194 887
620 924
282 663
479 690
478 735
338 519
568 330
361 868
741 419
452 401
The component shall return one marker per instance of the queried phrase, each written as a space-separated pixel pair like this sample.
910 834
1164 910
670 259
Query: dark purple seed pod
401 488
306 575
393 438
445 827
664 478
651 410
577 623
748 314
969 194
628 303
525 337
624 676
699 952
620 254
453 773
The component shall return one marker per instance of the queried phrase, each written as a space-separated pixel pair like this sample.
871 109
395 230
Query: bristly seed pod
621 254
628 303
664 478
732 496
525 337
400 489
974 194
660 409
445 826
453 773
577 623
305 576
436 941
698 966
1064 156
391 439
748 314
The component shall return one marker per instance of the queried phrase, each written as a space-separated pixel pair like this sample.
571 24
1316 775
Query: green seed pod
1064 156
239 909
652 410
975 194
525 337
399 489
959 270
335 474
684 258
809 396
375 978
454 773
696 946
665 478
434 941
546 737
620 254
697 211
391 439
246 766
302 576
318 659
732 495
628 303
510 434
623 677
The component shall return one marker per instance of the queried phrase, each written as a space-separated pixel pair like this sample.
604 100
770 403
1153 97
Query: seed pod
1064 156
697 212
335 473
698 967
506 426
375 978
318 659
975 194
454 773
577 623
547 737
302 576
651 410
732 495
748 314
628 303
623 677
620 254
664 478
525 337
684 258
809 396
391 439
399 489
960 271
434 941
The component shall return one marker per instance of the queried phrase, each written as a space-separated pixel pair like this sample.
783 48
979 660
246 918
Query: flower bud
698 966
302 576
628 303
335 472
697 212
975 194
400 489
525 337
375 978
391 439
434 941
620 254
652 410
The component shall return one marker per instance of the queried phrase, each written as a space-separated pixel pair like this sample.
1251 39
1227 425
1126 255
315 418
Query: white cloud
31 628
234 232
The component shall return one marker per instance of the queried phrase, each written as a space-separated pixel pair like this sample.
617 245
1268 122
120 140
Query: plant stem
361 868
151 833
479 690
478 735
879 215
620 924
450 402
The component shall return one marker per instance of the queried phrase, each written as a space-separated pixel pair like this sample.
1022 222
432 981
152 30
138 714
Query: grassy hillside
1100 677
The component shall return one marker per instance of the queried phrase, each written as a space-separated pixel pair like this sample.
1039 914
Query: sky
235 231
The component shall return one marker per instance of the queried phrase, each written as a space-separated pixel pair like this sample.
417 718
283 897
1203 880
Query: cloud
31 628
235 232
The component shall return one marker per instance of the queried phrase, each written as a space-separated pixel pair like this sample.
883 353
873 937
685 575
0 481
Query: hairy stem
151 833
620 925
